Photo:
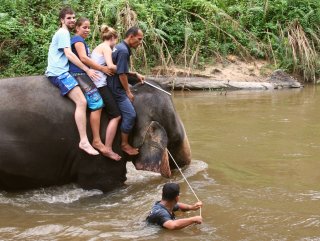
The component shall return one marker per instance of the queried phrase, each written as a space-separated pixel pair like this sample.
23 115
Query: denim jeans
128 115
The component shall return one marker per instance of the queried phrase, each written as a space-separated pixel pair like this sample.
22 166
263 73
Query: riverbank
231 74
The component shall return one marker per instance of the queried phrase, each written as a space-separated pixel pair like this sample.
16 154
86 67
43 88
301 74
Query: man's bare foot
88 148
99 145
129 150
112 155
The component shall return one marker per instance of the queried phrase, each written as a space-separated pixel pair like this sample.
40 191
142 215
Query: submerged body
39 139
162 212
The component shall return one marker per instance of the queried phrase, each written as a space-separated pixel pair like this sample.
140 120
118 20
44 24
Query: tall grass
188 33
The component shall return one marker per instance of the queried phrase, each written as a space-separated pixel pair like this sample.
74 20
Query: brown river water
256 168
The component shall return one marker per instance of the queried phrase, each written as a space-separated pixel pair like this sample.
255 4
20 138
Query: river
256 162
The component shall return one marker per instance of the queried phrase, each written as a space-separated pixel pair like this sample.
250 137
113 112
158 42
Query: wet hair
64 12
170 191
132 31
80 21
108 32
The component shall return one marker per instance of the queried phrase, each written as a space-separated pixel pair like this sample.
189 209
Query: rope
152 143
185 178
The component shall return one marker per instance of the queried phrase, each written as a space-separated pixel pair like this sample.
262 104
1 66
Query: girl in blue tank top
94 98
79 47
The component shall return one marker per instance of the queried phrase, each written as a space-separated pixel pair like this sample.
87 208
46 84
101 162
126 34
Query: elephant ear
153 155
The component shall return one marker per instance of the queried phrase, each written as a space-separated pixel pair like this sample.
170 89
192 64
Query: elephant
158 130
39 138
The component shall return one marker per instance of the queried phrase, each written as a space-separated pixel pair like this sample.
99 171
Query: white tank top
99 59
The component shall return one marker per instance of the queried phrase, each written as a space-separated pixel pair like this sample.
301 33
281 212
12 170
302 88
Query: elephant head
157 132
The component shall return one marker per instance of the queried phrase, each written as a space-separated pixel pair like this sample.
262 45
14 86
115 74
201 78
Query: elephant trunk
153 154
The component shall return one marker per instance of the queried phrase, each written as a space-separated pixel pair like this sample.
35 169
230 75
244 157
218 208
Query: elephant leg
153 154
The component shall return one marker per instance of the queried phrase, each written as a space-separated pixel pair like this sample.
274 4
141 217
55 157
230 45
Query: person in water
102 55
119 85
95 103
58 73
162 212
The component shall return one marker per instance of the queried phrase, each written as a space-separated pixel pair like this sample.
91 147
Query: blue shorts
64 82
89 90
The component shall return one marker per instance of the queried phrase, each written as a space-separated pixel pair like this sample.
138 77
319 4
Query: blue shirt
73 68
121 58
58 63
160 214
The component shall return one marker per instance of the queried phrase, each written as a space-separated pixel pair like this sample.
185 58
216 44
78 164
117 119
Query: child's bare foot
88 148
129 150
99 145
112 155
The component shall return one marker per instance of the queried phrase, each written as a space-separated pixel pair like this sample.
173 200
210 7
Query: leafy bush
183 32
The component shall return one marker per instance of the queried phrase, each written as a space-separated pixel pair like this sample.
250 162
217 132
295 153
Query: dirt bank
231 73
230 69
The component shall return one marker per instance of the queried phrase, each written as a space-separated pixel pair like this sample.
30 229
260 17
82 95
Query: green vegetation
190 33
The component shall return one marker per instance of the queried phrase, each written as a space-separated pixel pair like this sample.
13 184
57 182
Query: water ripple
40 231
64 194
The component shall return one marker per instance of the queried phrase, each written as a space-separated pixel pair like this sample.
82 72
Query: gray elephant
158 130
39 139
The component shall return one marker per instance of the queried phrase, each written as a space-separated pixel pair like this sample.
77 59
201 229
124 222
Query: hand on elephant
140 78
130 95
